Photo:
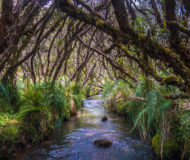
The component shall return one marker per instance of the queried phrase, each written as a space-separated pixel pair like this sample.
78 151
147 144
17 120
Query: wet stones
105 143
104 118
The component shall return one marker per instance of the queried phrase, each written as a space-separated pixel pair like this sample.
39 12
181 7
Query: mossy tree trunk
175 56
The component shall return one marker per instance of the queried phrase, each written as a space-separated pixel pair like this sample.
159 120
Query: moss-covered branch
147 45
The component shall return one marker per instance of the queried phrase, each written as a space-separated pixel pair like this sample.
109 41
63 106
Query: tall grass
40 107
43 107
33 112
154 116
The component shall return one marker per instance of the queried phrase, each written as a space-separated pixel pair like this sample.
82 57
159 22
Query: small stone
104 118
102 143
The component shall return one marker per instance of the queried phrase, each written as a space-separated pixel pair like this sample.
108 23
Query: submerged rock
104 118
102 143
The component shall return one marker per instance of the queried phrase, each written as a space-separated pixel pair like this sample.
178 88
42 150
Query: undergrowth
34 111
154 116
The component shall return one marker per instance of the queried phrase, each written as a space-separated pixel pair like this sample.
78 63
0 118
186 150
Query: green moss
184 66
76 89
100 22
169 51
70 2
9 134
9 128
51 127
123 47
169 79
149 68
168 149
141 36
156 141
120 107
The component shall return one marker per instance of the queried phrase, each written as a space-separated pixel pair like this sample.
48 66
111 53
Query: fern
151 116
108 88
112 88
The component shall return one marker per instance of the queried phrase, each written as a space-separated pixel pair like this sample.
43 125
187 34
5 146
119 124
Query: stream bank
75 141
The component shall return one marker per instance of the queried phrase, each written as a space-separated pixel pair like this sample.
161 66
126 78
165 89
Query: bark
6 21
127 35
116 66
157 14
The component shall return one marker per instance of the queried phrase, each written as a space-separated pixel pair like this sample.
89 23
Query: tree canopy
120 39
55 53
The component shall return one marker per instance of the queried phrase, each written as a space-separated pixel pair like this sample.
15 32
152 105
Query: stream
75 141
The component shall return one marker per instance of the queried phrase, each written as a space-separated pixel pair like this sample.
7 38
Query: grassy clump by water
162 120
9 132
33 112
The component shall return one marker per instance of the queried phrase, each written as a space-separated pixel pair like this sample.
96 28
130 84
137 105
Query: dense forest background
55 53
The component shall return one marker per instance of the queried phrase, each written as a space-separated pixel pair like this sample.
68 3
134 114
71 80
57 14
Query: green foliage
9 128
36 122
144 86
87 91
111 88
78 94
153 112
151 116
108 88
156 141
145 115
76 88
140 24
59 100
4 117
35 111
41 106
9 134
9 98
181 131
169 147
78 101
184 128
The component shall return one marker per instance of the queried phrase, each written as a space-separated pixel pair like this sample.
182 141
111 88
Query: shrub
9 134
181 132
9 128
78 94
108 88
42 106
151 116
36 122
169 147
9 98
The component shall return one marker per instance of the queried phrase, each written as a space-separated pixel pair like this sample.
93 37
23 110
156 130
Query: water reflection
75 142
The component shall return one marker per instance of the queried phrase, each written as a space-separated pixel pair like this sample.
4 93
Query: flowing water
75 142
